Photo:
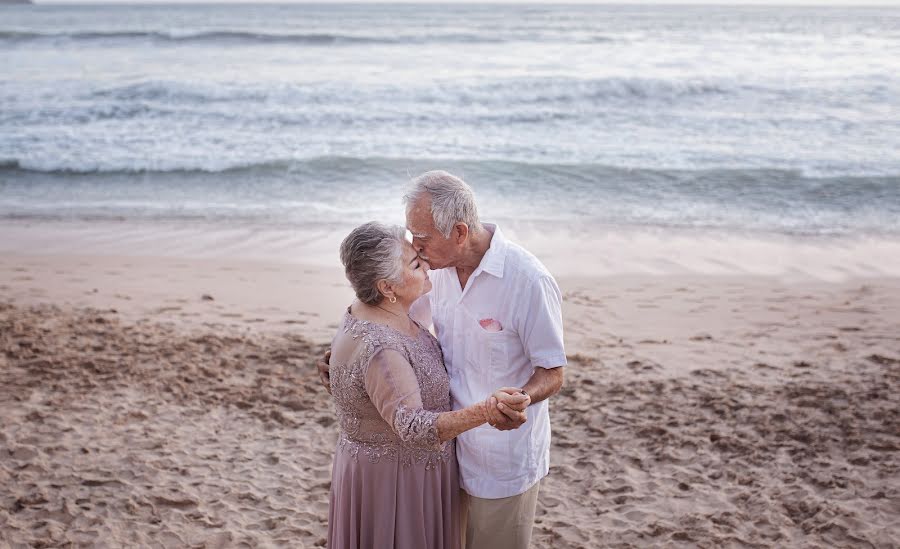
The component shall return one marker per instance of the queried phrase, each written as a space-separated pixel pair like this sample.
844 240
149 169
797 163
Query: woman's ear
385 287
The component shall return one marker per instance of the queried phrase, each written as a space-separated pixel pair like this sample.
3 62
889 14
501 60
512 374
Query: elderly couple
402 396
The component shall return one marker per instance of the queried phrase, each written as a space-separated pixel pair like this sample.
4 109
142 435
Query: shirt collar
495 257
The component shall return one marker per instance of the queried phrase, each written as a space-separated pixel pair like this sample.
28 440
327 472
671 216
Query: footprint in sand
638 366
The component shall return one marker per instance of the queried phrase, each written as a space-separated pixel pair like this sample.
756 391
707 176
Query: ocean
757 121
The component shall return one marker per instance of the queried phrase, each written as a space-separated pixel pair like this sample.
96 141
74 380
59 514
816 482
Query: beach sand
164 401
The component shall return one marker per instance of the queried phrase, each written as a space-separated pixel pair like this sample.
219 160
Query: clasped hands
505 408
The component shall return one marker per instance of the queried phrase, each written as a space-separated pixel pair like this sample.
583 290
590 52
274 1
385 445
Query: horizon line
624 3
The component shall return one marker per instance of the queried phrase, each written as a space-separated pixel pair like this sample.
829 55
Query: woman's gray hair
452 200
372 252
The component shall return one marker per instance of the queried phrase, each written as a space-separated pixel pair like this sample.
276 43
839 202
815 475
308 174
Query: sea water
758 120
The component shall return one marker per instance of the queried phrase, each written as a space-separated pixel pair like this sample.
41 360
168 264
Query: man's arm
540 328
545 383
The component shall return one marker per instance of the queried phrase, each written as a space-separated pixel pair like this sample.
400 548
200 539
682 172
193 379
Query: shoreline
576 251
652 311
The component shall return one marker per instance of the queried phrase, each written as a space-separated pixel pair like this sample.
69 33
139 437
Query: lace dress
393 483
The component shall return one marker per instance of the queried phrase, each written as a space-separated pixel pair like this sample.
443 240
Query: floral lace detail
363 430
417 426
392 451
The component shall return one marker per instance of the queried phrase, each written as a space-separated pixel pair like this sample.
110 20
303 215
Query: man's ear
461 230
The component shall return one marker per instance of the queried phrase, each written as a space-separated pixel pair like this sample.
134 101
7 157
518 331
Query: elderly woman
394 479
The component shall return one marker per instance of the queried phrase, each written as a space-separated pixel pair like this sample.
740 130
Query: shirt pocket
487 353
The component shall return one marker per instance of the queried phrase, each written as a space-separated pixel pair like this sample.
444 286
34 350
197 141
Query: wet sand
159 401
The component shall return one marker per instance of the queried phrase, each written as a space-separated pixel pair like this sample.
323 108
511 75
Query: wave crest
250 37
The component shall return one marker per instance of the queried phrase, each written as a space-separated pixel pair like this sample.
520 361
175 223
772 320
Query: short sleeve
394 390
541 325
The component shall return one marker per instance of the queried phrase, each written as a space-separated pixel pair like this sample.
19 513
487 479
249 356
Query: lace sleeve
394 390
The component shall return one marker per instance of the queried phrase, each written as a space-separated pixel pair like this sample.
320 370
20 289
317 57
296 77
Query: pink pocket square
490 325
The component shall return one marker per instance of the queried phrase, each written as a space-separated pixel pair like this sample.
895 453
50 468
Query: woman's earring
392 299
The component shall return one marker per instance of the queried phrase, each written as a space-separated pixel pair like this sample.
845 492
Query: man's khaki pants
503 523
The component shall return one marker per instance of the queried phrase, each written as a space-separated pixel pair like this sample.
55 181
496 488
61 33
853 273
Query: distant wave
216 36
492 168
247 37
320 163
516 100
13 165
783 201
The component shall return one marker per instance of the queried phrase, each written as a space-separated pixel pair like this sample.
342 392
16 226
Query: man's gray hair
372 252
452 200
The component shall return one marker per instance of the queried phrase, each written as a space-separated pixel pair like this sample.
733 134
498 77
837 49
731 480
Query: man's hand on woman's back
323 367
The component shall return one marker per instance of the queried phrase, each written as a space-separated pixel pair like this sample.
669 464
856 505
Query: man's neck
476 247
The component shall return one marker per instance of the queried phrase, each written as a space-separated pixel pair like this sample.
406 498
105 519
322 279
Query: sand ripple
721 459
118 435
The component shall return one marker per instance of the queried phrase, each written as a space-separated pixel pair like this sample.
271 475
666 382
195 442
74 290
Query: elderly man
496 311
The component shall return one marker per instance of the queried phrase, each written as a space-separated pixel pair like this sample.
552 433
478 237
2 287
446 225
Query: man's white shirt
513 288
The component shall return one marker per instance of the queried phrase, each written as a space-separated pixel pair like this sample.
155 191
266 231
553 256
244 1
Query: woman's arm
452 424
394 390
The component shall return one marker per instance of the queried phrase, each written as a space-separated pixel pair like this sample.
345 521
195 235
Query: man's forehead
417 225
419 209
414 230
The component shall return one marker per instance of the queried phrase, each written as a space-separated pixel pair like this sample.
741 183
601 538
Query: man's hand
323 367
507 409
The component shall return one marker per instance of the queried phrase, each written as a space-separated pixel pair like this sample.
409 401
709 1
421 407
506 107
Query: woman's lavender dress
393 484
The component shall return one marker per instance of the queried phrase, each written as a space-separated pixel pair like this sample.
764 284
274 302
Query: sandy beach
715 188
164 401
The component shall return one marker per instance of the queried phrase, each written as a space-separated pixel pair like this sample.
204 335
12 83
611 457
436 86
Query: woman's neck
395 315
